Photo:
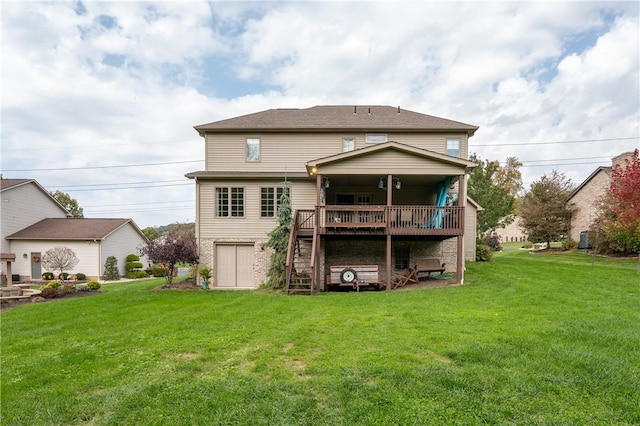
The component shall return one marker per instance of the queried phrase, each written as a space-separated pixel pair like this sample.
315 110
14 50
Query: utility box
585 242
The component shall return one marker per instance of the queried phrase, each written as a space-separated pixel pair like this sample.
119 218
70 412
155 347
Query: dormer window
376 138
253 149
348 144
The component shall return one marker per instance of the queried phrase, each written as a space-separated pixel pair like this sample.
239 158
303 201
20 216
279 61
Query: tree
622 213
279 243
495 189
545 213
69 203
177 246
151 233
509 176
60 259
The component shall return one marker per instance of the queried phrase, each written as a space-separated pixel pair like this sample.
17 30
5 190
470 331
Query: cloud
101 84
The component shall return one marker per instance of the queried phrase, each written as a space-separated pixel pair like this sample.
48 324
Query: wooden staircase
300 260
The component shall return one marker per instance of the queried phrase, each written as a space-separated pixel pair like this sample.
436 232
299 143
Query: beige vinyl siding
22 206
470 219
390 162
121 243
252 226
278 152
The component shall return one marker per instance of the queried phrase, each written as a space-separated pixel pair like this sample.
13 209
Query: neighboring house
512 233
370 185
32 221
92 240
586 198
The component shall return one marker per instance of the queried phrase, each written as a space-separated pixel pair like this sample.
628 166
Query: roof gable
601 169
9 184
313 165
338 117
72 229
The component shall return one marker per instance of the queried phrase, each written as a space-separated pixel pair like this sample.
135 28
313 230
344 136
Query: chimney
620 159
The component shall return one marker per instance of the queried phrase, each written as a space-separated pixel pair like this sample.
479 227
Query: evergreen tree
279 242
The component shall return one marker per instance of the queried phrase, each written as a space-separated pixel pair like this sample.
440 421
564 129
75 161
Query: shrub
493 241
48 276
111 269
82 287
68 288
80 276
93 285
53 284
138 273
158 271
132 258
569 244
63 276
49 292
484 253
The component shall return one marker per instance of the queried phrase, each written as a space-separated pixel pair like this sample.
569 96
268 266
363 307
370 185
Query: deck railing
395 220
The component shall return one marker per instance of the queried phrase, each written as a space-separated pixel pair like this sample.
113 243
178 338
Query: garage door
234 264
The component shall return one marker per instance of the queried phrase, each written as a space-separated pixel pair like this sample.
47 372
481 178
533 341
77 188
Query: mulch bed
188 284
14 303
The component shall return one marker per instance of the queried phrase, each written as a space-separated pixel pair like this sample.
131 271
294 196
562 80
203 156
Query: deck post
462 200
389 203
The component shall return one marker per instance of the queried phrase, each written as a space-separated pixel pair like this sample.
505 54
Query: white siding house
92 240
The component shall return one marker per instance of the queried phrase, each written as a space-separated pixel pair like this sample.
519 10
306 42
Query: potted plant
205 275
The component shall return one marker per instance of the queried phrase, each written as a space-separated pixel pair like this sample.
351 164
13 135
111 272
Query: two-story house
369 185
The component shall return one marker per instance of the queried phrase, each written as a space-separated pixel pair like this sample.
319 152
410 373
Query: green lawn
529 339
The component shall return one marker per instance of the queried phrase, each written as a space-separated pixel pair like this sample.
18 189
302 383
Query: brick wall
586 203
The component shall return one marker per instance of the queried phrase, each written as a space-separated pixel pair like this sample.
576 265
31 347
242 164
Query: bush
82 287
527 245
53 284
49 292
132 258
493 241
80 276
93 285
48 276
158 271
569 244
111 269
68 288
484 253
133 275
63 276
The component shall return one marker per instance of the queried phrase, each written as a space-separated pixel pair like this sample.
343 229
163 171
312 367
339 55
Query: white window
453 147
376 138
253 149
348 144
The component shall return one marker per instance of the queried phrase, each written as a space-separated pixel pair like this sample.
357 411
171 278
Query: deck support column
462 201
389 203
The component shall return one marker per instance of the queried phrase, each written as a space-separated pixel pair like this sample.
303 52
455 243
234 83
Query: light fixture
382 183
325 183
25 255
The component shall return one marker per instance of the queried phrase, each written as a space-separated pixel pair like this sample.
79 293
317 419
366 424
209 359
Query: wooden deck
382 220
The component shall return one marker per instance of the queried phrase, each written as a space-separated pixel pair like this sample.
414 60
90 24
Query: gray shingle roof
337 117
70 229
10 183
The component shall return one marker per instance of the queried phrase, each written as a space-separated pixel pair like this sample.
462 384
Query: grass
529 339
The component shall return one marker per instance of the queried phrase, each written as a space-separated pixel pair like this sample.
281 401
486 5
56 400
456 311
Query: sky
99 99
